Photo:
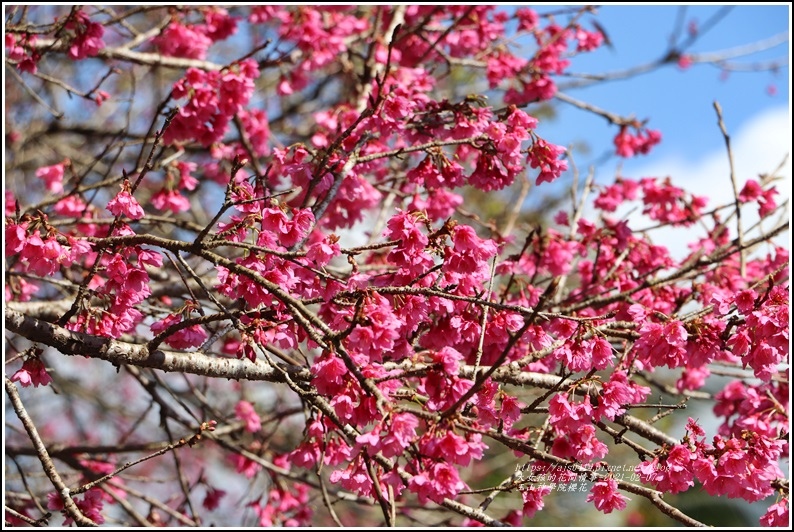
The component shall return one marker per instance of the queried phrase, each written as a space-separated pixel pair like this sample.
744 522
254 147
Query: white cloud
759 147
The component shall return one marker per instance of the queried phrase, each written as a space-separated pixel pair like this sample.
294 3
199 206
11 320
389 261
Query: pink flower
322 251
606 496
674 474
503 66
32 372
615 394
439 482
766 198
566 417
126 204
72 206
527 19
547 158
297 228
87 40
186 181
329 373
100 97
628 145
662 344
539 87
16 238
213 498
219 25
213 98
170 200
776 515
612 196
588 40
244 465
406 228
10 202
453 448
437 173
256 126
192 336
179 40
44 256
53 176
245 411
400 435
90 505
533 499
354 478
558 254
449 358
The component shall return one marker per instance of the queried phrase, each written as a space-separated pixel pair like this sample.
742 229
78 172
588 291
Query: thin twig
740 236
484 320
61 488
56 114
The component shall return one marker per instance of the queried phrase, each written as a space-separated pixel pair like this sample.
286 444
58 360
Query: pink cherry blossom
245 411
53 176
346 235
606 497
124 203
33 373
533 499
87 41
777 515
213 498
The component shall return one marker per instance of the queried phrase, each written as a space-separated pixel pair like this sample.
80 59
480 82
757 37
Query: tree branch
119 353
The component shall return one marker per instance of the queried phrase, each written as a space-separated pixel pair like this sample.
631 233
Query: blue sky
679 103
676 102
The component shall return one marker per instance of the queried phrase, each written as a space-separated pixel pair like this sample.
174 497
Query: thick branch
118 353
141 58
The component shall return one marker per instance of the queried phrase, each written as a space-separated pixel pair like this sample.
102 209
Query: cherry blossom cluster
736 467
19 49
641 142
412 356
213 98
83 38
184 39
87 40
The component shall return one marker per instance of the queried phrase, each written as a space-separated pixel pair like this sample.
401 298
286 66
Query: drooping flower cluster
125 204
752 191
735 467
90 505
180 39
32 372
213 98
53 176
87 40
409 350
641 142
19 50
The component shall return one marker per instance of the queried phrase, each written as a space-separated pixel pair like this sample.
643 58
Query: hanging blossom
53 176
192 41
19 50
124 203
213 98
87 40
628 145
606 497
33 373
416 296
